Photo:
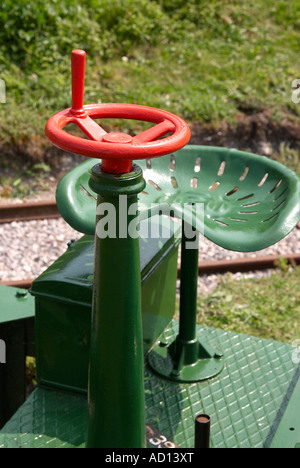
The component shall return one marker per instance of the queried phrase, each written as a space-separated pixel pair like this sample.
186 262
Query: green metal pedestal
250 403
187 359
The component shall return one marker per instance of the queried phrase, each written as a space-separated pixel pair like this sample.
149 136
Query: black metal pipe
202 431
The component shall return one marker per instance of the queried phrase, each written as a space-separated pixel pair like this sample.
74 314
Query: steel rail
22 284
14 212
240 265
246 264
11 212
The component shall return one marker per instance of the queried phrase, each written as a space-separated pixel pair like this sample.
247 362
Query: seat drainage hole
87 192
194 182
220 222
214 187
280 204
271 217
245 173
251 204
246 197
197 165
234 190
148 164
239 220
263 180
154 185
174 182
248 212
222 168
145 193
276 186
281 195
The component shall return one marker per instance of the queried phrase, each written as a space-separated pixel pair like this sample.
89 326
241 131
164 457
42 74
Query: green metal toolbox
63 297
17 342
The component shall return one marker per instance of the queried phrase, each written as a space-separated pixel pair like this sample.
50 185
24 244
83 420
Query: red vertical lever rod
78 59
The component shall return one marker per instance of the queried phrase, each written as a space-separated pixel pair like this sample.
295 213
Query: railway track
10 212
242 265
15 212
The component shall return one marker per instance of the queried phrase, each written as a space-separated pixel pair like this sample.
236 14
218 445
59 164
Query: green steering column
116 371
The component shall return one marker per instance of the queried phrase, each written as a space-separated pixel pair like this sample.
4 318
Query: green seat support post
249 202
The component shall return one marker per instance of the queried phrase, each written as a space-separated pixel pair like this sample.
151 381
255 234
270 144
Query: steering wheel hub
122 138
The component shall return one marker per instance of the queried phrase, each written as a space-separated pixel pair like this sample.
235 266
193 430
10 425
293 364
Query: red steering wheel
117 150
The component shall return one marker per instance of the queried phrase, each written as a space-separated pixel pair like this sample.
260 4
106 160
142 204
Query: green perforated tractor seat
250 202
247 203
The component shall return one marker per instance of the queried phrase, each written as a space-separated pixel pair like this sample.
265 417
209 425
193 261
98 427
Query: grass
26 180
268 307
202 60
289 156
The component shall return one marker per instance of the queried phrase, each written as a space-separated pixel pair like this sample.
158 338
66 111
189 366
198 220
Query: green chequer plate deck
246 402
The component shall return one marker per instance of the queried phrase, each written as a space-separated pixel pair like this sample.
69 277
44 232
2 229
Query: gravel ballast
28 248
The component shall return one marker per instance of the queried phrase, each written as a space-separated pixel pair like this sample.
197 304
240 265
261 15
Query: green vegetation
204 60
23 180
268 307
289 156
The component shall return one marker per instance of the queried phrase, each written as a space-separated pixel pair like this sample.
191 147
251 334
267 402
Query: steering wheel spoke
153 133
90 128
